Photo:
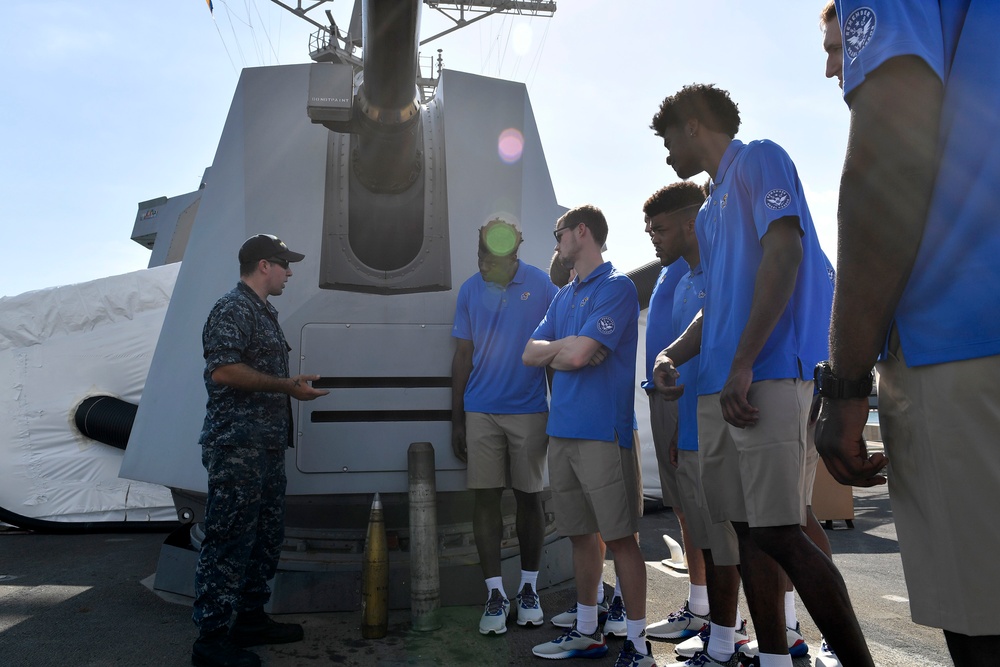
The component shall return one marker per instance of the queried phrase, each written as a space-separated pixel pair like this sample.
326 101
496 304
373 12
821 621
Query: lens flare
510 146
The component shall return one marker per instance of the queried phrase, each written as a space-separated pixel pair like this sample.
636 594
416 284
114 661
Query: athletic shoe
573 644
797 646
615 625
529 609
681 624
826 657
699 644
567 619
703 659
629 657
494 618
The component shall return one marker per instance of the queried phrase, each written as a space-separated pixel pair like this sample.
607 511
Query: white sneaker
567 619
681 624
615 625
797 646
494 620
699 644
826 657
529 609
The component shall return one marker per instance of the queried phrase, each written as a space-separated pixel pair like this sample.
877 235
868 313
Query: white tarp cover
59 346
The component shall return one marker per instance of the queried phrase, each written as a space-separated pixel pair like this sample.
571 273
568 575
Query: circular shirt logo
606 325
858 30
777 199
525 295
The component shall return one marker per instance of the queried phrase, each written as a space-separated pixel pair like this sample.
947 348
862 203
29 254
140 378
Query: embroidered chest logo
701 294
858 30
777 199
725 198
584 302
525 295
606 325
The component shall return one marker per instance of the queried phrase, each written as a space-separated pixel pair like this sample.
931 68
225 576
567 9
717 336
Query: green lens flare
501 240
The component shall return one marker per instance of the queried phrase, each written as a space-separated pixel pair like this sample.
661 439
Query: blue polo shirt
756 184
950 307
689 297
499 320
660 330
595 402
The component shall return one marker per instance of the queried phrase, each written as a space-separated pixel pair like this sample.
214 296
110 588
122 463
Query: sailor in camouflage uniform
248 426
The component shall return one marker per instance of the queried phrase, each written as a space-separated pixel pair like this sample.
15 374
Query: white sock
497 583
618 589
772 660
586 618
528 577
600 591
721 643
698 599
635 629
790 618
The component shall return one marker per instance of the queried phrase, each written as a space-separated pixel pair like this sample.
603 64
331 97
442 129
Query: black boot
216 649
253 628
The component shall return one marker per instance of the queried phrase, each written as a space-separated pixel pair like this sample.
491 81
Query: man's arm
885 194
566 354
461 369
682 350
243 377
773 287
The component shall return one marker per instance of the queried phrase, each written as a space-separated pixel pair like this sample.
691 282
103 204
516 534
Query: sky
107 103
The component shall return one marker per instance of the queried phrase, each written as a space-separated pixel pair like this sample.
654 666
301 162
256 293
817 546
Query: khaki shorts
702 532
812 460
637 468
755 475
593 488
506 448
663 424
940 425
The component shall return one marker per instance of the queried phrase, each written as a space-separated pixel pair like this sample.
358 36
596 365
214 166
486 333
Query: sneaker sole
616 632
531 623
682 634
586 653
493 632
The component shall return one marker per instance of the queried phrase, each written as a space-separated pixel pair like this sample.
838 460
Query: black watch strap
829 385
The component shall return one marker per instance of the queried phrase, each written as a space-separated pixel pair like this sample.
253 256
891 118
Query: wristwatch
829 385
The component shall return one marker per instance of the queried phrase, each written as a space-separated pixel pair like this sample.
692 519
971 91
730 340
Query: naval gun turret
385 194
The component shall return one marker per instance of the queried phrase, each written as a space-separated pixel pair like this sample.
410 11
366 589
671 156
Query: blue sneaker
573 644
629 657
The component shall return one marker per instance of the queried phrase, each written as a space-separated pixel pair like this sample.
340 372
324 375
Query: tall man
248 426
762 327
917 277
499 412
589 337
670 217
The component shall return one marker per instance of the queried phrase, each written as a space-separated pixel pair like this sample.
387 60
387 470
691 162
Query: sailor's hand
840 441
599 356
302 390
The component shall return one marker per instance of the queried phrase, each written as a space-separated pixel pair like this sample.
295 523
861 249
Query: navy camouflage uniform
243 449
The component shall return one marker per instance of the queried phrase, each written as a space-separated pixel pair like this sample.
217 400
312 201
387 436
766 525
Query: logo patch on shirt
777 199
606 325
725 198
584 302
858 30
525 295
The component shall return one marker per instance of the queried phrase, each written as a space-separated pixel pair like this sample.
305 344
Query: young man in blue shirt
499 412
762 329
916 290
589 337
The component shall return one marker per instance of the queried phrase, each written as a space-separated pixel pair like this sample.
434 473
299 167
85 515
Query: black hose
106 419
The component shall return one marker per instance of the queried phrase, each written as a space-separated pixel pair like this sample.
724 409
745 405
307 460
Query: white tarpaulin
59 346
